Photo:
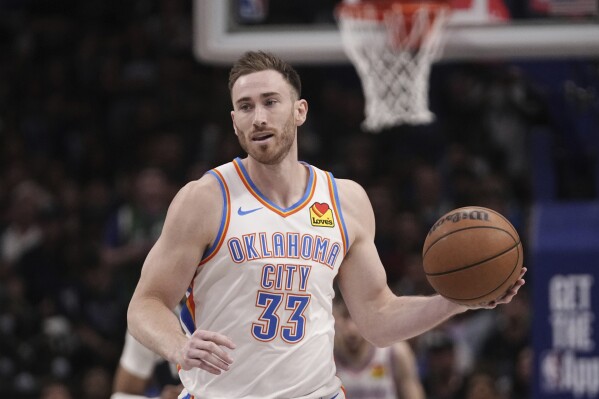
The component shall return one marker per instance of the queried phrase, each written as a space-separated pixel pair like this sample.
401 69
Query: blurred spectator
137 223
510 337
101 314
410 232
427 196
95 384
56 390
523 374
413 280
43 266
384 206
481 385
442 378
19 327
23 231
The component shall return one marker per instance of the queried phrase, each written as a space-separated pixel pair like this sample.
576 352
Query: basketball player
368 372
256 243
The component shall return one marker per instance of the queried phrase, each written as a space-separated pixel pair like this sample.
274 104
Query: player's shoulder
351 194
204 189
350 188
196 199
357 209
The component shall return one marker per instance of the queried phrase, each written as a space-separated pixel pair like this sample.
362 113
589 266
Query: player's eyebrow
263 95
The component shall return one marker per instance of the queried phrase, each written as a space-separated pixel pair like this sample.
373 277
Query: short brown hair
257 61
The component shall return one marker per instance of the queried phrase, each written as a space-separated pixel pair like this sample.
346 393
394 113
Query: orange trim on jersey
187 316
279 212
336 208
190 303
223 233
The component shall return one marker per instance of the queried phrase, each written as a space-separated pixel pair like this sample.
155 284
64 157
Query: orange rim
376 9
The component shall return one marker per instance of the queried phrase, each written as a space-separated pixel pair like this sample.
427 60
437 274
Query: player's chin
268 156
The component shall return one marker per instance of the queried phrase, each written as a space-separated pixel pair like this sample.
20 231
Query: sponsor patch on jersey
321 215
378 371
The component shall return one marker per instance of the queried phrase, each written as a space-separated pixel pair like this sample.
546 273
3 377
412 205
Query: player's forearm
405 317
153 324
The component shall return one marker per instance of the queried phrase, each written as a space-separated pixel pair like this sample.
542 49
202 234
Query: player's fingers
215 337
213 342
510 293
211 347
203 359
210 358
209 368
491 305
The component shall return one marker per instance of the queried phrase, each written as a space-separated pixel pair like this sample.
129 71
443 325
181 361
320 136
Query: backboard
306 32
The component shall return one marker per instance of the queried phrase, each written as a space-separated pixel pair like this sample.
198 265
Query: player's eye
271 101
245 107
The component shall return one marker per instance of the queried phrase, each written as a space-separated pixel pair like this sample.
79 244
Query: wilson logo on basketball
321 215
462 215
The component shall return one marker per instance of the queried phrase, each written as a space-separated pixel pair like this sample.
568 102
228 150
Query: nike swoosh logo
241 212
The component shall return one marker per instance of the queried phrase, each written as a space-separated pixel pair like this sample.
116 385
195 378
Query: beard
273 152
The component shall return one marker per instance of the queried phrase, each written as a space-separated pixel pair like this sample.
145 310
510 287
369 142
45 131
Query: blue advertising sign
565 276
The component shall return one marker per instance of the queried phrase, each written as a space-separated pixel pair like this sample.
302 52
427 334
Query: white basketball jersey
267 283
373 380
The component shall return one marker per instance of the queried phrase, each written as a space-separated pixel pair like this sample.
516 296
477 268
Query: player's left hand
206 350
509 295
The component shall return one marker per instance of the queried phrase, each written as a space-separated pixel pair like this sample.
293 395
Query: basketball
472 255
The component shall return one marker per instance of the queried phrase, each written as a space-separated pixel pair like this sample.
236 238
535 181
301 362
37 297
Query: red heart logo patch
320 209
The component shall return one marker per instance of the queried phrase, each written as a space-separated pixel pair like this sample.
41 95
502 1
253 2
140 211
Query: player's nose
259 116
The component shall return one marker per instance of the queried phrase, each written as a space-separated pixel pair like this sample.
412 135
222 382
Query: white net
393 58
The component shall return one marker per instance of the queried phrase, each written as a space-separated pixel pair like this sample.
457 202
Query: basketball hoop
392 44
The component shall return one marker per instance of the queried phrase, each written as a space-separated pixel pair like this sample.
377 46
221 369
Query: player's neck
283 184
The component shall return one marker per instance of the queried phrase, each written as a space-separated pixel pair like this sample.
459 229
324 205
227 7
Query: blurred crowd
105 113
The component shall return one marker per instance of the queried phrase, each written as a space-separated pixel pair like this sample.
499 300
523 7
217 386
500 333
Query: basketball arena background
105 112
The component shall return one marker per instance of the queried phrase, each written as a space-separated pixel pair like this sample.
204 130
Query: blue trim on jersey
187 319
343 227
257 191
223 218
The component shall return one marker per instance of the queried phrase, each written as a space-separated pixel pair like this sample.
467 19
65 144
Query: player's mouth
262 137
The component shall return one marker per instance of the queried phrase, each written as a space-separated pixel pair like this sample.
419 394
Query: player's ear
301 111
233 119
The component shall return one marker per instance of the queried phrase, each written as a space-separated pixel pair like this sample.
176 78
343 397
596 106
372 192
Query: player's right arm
190 227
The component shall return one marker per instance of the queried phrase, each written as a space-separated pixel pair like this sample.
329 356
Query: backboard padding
218 41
